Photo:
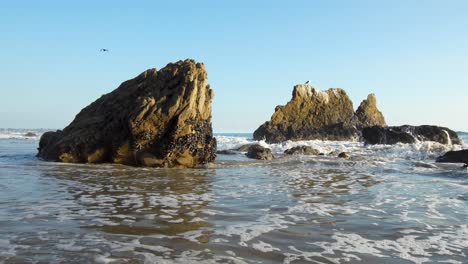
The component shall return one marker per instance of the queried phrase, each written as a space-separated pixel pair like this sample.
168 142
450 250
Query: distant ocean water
387 204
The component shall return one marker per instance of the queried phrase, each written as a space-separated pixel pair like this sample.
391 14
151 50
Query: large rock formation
314 114
368 114
409 134
160 119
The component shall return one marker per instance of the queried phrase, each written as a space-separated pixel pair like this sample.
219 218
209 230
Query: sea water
387 204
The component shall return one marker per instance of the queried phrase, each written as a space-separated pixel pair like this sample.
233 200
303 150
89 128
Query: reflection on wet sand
138 201
290 210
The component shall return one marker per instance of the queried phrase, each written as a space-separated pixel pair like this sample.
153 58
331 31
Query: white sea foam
417 151
264 247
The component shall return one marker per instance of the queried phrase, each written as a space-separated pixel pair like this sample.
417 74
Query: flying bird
104 50
308 82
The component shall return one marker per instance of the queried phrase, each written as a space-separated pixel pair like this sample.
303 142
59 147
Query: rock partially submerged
258 152
302 150
30 134
314 114
226 152
159 119
344 155
244 148
409 134
460 156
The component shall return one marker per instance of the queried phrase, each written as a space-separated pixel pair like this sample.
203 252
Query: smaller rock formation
325 115
344 155
460 156
368 114
302 150
409 134
30 134
311 114
258 152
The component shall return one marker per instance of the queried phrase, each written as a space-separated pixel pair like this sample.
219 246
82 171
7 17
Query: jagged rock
258 152
409 134
311 114
244 148
344 155
368 114
226 152
460 156
160 118
30 134
302 150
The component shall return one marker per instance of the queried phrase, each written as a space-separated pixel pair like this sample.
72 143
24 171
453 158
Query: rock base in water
460 156
158 119
409 134
258 152
302 150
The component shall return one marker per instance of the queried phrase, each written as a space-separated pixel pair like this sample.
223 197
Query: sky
412 54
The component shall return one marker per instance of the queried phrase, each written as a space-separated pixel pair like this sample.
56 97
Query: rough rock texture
460 156
344 155
368 114
258 152
409 134
302 150
311 114
160 119
244 148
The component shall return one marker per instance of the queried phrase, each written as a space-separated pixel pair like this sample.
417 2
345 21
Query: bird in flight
104 50
308 82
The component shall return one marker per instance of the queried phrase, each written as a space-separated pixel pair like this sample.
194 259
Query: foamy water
387 204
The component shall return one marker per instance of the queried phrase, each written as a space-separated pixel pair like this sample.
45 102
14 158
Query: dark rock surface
160 119
344 155
409 134
258 152
30 134
226 152
460 156
302 150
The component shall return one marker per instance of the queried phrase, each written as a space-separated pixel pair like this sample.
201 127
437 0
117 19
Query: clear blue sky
412 54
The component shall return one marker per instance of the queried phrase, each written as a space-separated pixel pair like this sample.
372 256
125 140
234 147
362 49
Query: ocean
387 204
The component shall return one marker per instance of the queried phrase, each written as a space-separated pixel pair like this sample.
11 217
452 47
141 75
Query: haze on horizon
412 55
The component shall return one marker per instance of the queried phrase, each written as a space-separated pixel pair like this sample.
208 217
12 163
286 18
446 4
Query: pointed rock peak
302 90
371 101
368 114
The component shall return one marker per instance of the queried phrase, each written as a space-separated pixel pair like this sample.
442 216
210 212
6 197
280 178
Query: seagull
104 50
307 83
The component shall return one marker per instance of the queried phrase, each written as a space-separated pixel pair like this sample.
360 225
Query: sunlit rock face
311 114
368 114
158 119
